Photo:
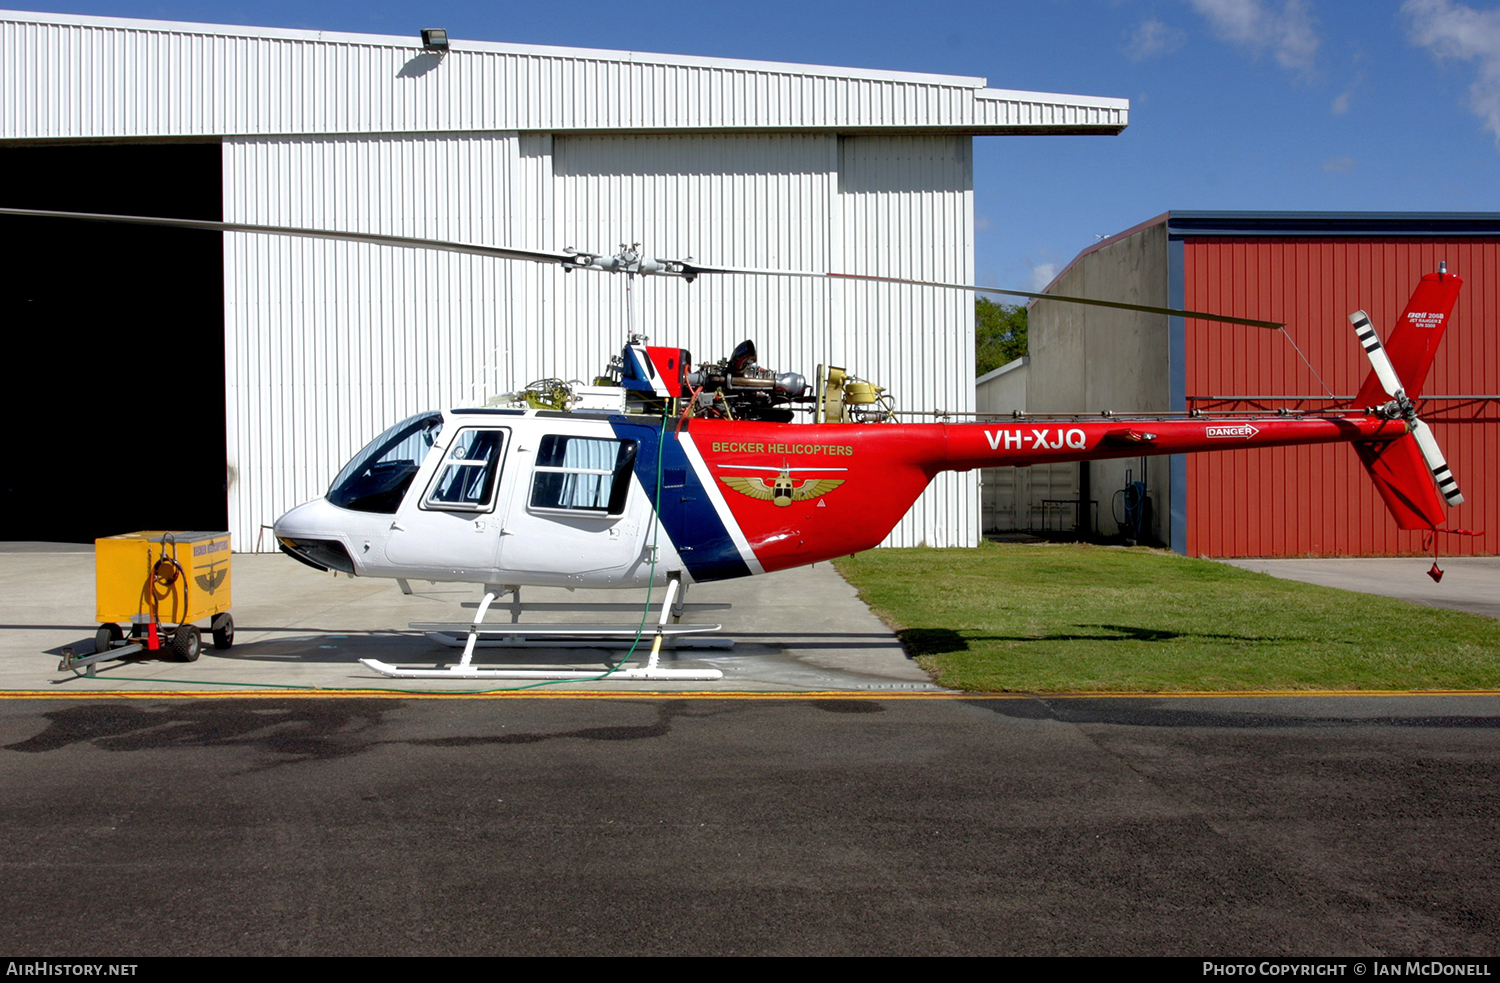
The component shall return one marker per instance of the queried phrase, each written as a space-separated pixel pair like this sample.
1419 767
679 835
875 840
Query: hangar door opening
114 389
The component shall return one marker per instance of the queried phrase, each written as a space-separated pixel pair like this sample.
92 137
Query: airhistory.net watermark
52 967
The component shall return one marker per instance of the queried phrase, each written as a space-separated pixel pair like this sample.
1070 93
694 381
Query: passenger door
572 521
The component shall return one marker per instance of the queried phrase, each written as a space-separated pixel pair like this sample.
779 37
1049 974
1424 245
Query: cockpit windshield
377 479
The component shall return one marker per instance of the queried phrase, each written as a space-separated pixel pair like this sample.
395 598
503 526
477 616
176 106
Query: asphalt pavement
821 825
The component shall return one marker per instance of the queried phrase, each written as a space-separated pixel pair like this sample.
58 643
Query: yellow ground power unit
159 583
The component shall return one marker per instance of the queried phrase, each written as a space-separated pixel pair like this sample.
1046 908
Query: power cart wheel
223 631
106 636
187 644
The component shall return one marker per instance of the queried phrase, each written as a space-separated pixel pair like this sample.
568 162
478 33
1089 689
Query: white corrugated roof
75 76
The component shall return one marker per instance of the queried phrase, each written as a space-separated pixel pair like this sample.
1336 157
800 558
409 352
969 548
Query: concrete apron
1470 583
799 630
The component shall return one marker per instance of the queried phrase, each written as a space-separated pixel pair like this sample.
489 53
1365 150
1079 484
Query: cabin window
582 474
377 478
467 480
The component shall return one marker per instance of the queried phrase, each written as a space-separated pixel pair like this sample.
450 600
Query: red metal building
1311 270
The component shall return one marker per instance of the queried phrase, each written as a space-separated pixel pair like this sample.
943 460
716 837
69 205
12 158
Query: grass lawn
1066 618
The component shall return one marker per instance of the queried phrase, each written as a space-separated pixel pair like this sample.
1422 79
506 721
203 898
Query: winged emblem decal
781 492
211 580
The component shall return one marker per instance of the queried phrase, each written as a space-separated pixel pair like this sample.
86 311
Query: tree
999 334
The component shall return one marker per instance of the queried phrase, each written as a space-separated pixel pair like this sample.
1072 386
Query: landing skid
472 672
560 636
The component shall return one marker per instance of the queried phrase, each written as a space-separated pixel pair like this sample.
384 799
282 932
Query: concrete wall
1033 499
1002 390
1088 359
1003 497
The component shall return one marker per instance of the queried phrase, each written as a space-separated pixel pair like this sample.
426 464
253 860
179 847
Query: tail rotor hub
1399 408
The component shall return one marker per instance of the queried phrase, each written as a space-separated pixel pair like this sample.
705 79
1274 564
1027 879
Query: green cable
661 453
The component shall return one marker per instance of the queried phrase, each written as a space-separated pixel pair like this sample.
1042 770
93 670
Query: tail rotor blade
1428 444
1379 360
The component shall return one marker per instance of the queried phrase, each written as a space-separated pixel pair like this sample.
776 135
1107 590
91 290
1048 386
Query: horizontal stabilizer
1125 438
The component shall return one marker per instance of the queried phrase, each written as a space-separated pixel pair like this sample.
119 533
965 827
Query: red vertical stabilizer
1413 342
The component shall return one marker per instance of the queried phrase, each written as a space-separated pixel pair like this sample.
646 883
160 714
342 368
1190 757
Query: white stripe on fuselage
721 507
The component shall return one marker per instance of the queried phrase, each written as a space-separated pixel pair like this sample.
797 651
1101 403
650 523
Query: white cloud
1153 38
1341 104
1287 32
1339 165
1453 30
1041 275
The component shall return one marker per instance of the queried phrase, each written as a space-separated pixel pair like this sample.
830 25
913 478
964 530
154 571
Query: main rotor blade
695 269
497 252
620 264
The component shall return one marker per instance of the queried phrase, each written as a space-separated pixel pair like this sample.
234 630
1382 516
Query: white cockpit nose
313 533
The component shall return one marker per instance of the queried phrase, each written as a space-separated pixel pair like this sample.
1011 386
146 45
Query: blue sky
1235 104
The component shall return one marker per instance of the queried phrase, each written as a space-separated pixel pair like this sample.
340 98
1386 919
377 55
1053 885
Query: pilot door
450 525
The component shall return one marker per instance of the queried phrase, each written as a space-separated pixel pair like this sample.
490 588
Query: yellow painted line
705 694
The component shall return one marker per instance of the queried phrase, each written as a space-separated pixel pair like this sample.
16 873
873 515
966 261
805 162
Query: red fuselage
802 493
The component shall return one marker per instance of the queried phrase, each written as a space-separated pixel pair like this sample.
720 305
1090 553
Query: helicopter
665 470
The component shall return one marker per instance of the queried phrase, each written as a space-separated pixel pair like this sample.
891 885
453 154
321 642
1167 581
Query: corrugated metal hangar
258 364
1309 270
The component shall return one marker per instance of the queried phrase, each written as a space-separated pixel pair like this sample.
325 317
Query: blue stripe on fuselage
687 513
